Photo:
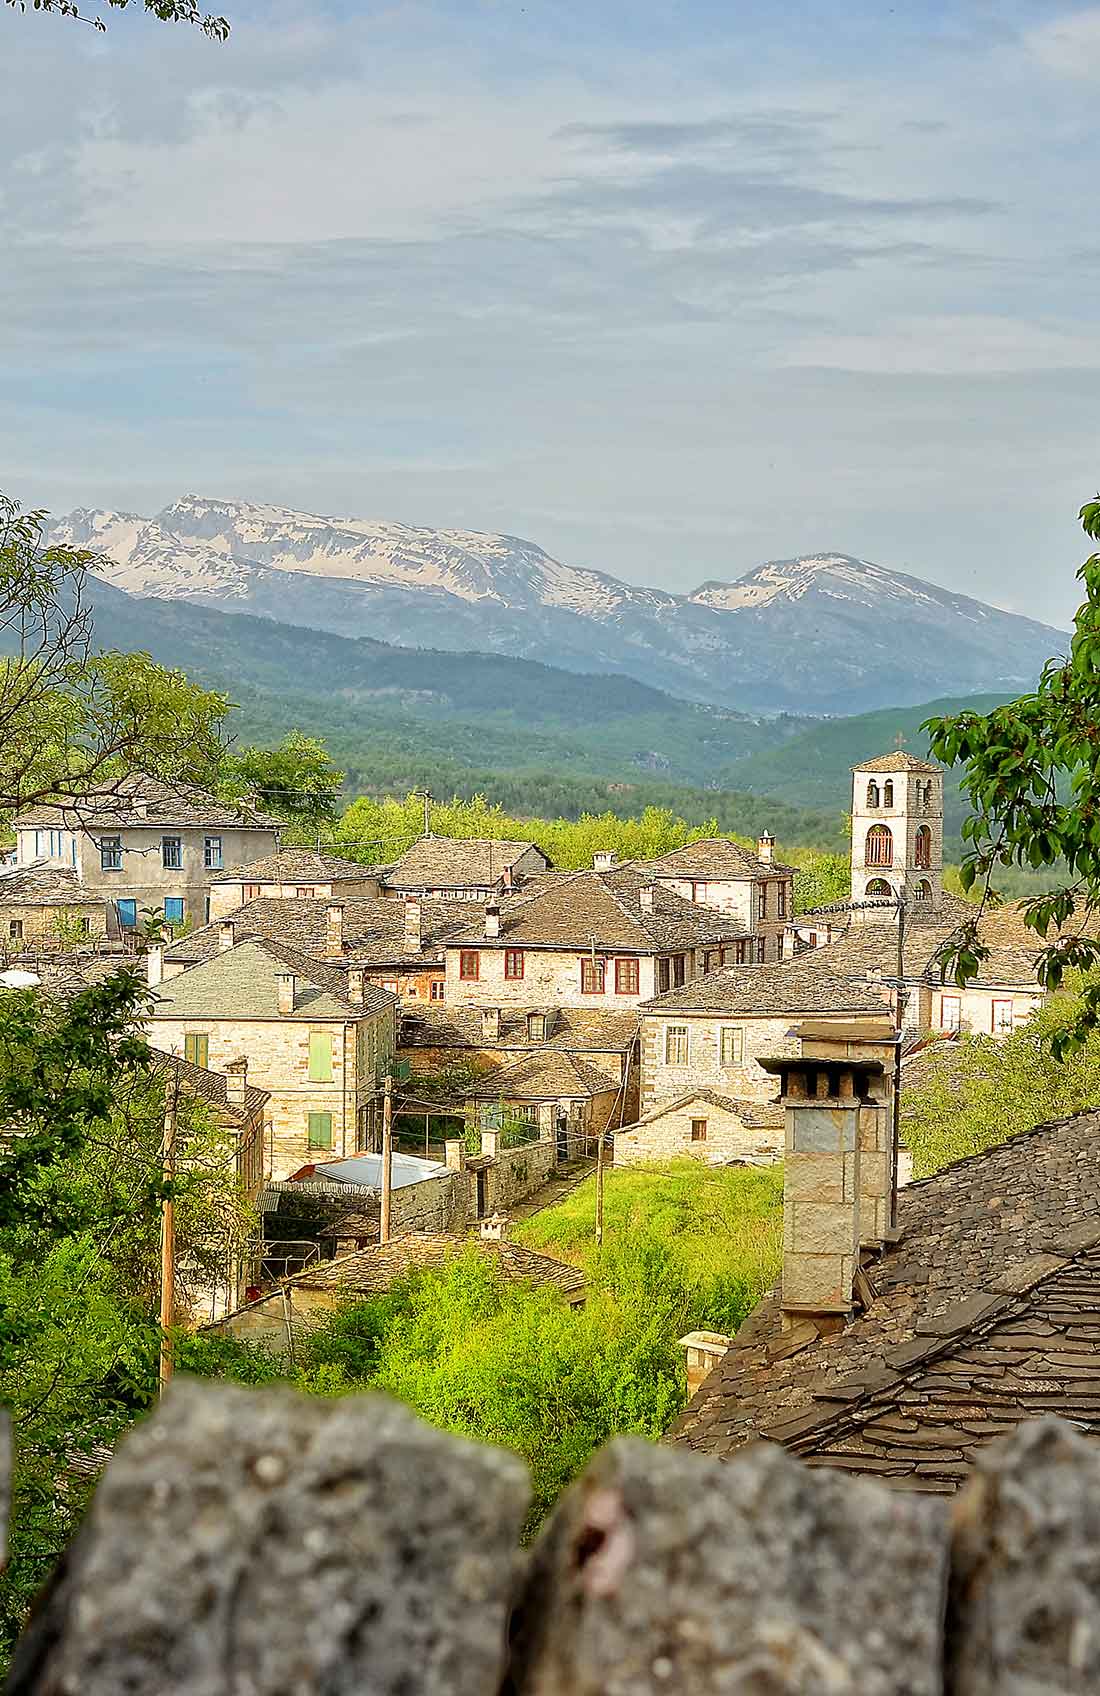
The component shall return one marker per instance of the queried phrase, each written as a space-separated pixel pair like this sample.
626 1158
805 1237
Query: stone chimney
334 931
603 859
822 1100
873 1041
490 1024
227 936
356 976
492 919
285 984
236 1082
154 964
645 897
704 1349
764 847
414 925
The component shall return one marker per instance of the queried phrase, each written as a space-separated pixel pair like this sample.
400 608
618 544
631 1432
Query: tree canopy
168 11
1031 774
297 780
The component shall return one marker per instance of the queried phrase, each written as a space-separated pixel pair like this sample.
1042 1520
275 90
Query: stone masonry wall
748 1081
669 1137
262 1543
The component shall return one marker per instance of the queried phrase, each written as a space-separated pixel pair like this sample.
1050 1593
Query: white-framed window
950 1012
677 1045
110 853
212 853
731 1045
1002 1017
171 853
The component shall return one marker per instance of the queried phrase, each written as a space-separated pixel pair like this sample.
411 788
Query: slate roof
542 1075
864 948
372 1270
573 1028
605 909
240 983
41 884
715 857
898 762
799 985
295 865
146 803
374 928
211 1087
445 862
757 1115
986 1312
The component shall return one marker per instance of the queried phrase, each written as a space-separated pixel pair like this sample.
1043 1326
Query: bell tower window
923 847
880 846
872 794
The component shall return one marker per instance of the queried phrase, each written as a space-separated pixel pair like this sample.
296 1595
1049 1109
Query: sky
669 289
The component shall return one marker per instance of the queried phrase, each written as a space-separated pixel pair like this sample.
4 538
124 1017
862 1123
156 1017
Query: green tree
297 780
73 720
168 11
1031 774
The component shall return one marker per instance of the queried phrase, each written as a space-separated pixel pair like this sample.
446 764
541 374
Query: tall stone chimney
645 898
334 931
603 859
154 964
227 936
490 1024
765 846
414 925
356 976
236 1082
822 1100
285 984
873 1041
492 919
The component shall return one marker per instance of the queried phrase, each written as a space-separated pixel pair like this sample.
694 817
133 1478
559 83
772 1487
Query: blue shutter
173 909
127 915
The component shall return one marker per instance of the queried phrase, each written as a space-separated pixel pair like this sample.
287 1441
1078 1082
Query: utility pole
387 1161
899 1006
168 1233
599 1193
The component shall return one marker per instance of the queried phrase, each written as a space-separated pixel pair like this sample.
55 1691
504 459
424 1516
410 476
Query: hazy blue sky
669 288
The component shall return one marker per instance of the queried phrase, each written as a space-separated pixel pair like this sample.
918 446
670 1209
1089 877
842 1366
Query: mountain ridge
822 634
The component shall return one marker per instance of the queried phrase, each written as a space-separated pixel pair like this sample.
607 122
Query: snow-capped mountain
825 633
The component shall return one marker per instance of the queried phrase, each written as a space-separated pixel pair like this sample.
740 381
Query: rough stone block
1024 1610
248 1543
821 1228
813 1177
821 1130
820 1283
662 1572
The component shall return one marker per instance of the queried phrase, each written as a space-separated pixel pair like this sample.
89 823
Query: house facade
445 868
149 847
319 1039
46 907
713 1033
704 1125
753 889
290 874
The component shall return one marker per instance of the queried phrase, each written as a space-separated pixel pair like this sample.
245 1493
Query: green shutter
320 1057
320 1130
196 1048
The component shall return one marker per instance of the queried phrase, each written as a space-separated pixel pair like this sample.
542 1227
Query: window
15 930
872 794
196 1048
592 974
1002 1018
305 894
438 989
320 1057
950 1012
742 953
698 1130
880 846
924 847
173 910
761 950
679 971
110 853
923 891
731 1045
762 901
250 891
469 964
212 853
699 891
127 914
171 853
320 1130
82 927
781 900
663 976
877 888
536 1027
677 1046
513 964
888 793
626 977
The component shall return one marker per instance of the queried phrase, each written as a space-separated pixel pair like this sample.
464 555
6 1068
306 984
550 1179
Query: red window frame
1000 1001
592 970
626 977
469 964
879 846
513 964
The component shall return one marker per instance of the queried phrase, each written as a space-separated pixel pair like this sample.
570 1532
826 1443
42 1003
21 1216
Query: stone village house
46 907
752 888
898 1344
290 874
146 846
318 1038
445 868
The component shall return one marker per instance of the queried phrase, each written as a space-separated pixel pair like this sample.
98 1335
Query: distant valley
825 634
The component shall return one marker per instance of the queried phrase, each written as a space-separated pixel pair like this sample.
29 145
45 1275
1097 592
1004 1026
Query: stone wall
282 1545
748 1081
668 1136
551 978
56 926
514 1172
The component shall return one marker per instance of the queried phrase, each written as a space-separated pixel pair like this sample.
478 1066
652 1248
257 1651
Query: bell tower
897 831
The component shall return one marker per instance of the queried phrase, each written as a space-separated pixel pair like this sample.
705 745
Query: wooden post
168 1233
387 1161
599 1193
